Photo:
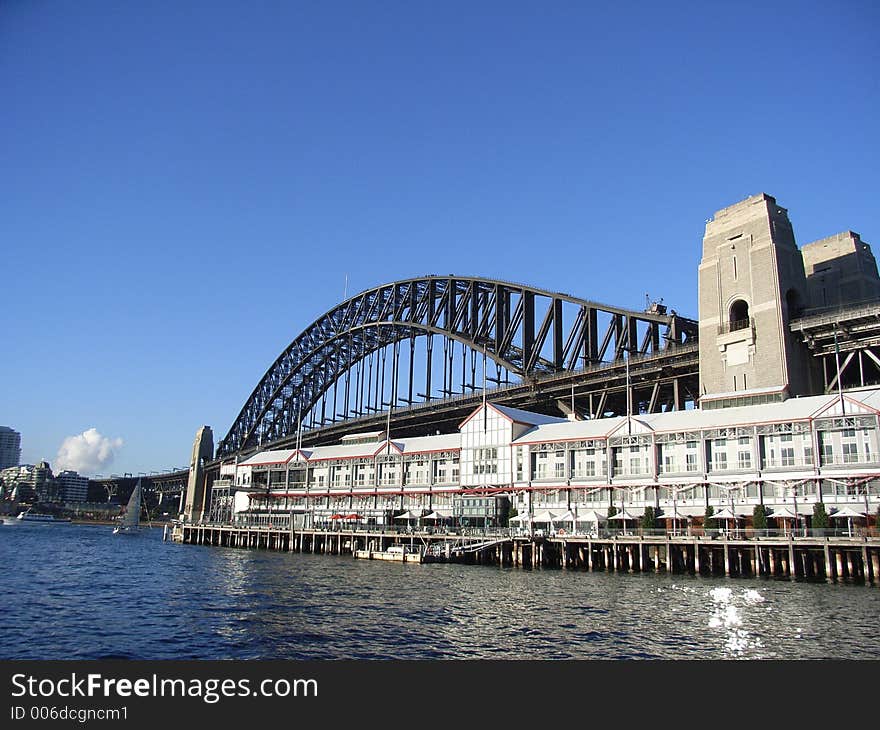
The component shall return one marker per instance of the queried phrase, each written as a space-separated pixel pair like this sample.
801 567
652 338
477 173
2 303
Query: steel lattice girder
522 329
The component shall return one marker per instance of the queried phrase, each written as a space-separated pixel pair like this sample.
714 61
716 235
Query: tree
820 516
759 517
708 516
612 510
511 513
649 519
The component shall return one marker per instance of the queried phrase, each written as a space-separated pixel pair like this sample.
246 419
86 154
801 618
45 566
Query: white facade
793 454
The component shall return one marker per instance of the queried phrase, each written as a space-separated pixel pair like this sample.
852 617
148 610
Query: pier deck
832 558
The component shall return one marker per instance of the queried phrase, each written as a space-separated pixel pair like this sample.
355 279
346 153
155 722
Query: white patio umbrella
408 515
544 516
623 515
591 515
724 513
672 513
849 513
783 513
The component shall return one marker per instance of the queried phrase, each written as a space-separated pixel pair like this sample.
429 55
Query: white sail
132 515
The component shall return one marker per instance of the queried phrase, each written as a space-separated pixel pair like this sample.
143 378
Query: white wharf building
781 455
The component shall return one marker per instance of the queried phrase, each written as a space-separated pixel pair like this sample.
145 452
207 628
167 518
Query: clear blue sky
185 185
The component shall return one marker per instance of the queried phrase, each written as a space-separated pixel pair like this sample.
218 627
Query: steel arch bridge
435 339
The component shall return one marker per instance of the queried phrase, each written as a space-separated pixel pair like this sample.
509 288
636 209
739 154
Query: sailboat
131 520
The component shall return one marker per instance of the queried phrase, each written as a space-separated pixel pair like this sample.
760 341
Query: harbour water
78 592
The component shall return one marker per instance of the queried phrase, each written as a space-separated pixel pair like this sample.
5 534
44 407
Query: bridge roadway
811 556
118 488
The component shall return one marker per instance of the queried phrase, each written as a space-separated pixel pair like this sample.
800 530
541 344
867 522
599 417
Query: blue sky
184 186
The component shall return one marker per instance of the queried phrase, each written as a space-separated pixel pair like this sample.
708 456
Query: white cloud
87 453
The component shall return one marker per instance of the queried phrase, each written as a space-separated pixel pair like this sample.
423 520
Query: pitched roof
279 456
516 415
793 409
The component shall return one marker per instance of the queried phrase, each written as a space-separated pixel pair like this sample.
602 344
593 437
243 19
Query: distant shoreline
111 523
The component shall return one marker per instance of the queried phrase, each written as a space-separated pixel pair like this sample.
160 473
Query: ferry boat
28 516
396 553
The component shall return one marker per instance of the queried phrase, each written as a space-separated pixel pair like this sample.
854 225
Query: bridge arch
523 331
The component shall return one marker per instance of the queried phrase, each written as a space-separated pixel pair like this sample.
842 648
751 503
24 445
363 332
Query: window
827 453
739 315
850 453
744 460
692 462
787 456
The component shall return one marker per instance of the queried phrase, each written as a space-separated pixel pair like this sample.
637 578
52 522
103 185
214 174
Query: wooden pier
830 558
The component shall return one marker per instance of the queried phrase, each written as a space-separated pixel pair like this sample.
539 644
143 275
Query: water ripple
73 591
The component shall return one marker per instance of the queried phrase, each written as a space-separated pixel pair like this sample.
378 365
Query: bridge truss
424 350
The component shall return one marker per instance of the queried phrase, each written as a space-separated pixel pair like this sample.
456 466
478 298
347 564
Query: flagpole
839 380
388 431
628 401
298 426
485 415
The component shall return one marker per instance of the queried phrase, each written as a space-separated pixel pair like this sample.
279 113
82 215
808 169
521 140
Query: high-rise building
10 447
74 488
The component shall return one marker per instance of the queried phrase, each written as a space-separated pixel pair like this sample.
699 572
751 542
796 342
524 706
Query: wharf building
771 425
785 456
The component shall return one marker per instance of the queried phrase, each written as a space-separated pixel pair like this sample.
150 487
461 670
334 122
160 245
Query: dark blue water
79 592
